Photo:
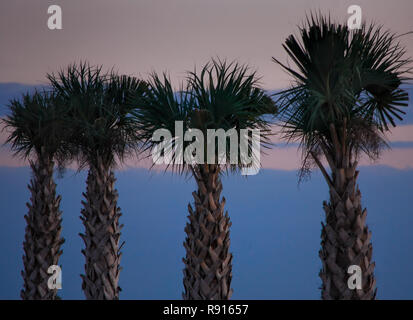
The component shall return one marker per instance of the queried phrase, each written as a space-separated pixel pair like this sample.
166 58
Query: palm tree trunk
100 217
42 236
208 262
345 237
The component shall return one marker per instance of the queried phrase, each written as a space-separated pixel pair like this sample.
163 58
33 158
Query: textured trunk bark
100 217
345 237
208 262
42 236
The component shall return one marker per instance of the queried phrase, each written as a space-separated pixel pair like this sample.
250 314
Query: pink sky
279 157
139 36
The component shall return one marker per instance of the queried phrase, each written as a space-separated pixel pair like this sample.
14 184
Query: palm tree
345 95
102 134
36 129
222 96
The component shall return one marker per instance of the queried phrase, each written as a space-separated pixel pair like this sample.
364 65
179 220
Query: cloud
7 160
289 158
279 157
401 134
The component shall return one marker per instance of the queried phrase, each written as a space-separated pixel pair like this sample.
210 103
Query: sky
139 36
275 232
276 222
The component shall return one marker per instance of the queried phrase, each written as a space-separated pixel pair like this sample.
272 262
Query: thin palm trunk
208 262
345 237
100 217
42 236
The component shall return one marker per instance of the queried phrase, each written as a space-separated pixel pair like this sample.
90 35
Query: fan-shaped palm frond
37 121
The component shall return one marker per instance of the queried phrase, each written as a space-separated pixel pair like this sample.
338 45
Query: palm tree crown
101 123
344 79
222 96
37 124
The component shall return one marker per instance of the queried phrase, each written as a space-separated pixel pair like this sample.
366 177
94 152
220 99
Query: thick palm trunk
345 237
208 262
100 217
42 237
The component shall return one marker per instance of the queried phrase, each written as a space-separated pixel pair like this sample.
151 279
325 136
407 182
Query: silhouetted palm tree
222 96
102 133
36 124
346 93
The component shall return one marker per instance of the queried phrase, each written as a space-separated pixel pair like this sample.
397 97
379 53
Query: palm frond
36 121
101 112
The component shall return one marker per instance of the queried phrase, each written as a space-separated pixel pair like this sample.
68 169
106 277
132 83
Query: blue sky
275 233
